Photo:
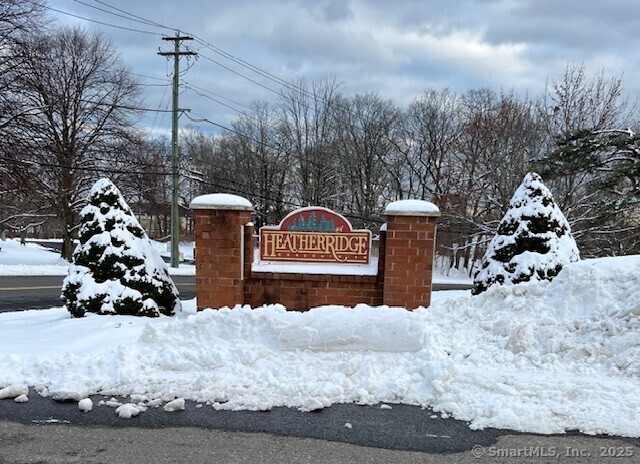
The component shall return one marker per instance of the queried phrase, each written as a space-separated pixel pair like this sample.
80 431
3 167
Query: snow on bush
115 269
533 241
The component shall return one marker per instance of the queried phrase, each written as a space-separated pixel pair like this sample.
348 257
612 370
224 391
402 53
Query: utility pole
175 151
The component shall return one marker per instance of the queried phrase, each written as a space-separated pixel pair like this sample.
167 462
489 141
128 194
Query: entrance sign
315 235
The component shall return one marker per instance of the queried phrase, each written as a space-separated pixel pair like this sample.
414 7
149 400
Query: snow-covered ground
33 259
536 357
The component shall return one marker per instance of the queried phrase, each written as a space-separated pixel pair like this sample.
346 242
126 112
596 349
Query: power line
78 168
203 95
139 18
130 29
228 129
312 106
240 74
136 18
256 69
113 105
155 117
216 95
252 139
251 67
149 77
111 12
155 85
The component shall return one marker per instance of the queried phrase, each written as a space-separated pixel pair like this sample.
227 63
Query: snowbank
539 357
32 260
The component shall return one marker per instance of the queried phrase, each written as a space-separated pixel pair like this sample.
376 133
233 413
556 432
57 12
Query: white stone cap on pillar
412 208
222 201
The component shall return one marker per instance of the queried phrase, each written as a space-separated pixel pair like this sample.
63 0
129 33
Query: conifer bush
115 268
533 241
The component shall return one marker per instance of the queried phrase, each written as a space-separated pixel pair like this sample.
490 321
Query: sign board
315 235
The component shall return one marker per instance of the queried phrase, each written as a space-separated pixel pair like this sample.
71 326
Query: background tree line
70 114
465 152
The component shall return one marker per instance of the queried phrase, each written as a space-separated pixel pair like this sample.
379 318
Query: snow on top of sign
417 207
370 269
221 201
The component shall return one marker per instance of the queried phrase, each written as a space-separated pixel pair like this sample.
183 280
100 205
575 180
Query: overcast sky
397 48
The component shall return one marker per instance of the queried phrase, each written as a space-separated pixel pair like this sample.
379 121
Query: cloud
397 49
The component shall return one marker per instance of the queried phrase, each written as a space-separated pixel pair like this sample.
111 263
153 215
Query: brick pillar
220 221
409 253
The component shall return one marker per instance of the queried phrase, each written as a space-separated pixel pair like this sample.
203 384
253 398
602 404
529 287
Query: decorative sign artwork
315 235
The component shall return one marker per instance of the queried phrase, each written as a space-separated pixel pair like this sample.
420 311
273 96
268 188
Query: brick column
409 253
220 221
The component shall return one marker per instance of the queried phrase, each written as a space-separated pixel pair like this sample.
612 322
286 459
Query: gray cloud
397 49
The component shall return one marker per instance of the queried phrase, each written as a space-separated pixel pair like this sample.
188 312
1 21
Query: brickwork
219 263
224 255
409 261
304 291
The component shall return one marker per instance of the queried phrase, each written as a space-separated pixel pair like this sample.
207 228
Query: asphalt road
38 292
43 431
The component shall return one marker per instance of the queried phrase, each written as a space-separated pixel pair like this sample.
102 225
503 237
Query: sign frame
315 235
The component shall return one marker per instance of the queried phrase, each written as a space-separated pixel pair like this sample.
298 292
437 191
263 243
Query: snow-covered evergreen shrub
533 241
115 268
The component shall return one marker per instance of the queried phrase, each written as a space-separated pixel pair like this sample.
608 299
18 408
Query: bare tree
366 129
498 135
258 162
308 126
18 19
147 184
430 140
580 103
81 103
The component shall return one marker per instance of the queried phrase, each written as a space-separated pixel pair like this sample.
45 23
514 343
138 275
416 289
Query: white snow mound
127 410
176 405
542 357
13 391
85 405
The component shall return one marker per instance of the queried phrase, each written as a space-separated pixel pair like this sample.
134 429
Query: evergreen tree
600 172
115 268
533 241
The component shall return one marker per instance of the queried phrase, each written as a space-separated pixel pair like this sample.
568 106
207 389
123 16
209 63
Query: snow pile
33 259
13 391
128 410
539 357
332 328
30 259
533 241
175 405
547 356
85 405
